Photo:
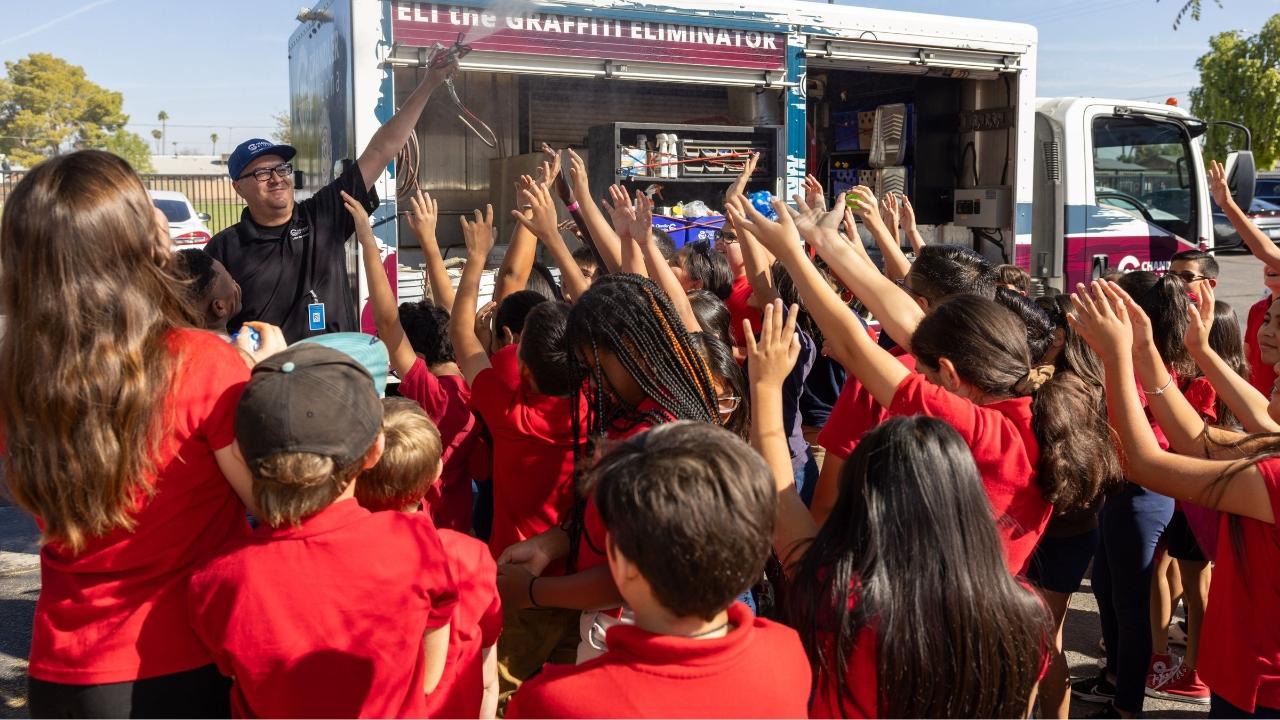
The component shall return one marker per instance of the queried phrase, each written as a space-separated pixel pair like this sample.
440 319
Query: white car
187 227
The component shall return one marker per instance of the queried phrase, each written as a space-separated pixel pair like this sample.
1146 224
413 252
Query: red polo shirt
532 437
854 413
858 694
1240 645
1261 375
326 619
446 400
739 305
476 624
117 610
1006 452
758 670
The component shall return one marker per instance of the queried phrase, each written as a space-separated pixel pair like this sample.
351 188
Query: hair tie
1035 379
573 206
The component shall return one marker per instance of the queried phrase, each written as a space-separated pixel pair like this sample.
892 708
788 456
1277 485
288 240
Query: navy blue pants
1131 524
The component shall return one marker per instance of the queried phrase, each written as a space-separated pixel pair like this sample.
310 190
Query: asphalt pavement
1239 284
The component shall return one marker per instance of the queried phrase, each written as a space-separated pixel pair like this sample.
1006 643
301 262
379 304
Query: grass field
221 214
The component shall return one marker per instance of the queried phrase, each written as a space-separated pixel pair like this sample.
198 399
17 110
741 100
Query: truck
667 97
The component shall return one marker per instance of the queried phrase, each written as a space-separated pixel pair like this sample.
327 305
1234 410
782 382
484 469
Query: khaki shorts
530 639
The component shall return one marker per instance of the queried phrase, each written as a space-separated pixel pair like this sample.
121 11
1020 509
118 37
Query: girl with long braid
641 369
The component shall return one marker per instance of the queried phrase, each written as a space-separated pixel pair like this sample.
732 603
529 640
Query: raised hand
364 231
740 184
1218 186
779 238
424 214
864 205
641 228
478 234
908 214
578 173
544 223
621 210
771 358
890 211
815 224
550 168
813 195
1101 318
1200 318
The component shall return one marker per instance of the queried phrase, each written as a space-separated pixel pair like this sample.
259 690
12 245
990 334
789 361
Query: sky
221 66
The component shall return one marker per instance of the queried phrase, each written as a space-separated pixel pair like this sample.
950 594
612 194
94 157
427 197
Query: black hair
543 282
1039 326
1164 299
427 327
196 266
682 487
1208 263
987 345
513 311
665 244
543 349
713 315
630 317
942 270
721 363
913 541
702 263
1228 342
584 255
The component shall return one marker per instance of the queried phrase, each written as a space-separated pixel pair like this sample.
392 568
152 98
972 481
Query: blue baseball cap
250 150
367 350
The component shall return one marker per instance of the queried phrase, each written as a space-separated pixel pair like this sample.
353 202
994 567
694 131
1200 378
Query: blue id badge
315 317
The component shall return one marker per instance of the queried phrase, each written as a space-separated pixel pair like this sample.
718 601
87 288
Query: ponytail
1164 299
987 345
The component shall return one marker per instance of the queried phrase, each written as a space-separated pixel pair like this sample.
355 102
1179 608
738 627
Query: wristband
532 602
572 207
1161 389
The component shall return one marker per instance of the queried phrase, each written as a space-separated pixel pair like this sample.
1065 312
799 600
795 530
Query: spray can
673 148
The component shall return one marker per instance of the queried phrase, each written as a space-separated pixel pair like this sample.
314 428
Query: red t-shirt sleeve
1203 398
424 388
213 376
493 387
436 580
854 413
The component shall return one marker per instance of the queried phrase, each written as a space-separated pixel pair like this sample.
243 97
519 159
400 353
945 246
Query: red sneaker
1161 671
1184 686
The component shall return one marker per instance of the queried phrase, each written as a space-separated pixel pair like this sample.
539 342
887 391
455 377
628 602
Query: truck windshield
1144 167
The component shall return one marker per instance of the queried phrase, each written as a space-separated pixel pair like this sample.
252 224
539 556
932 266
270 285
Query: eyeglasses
902 283
283 170
729 404
1187 276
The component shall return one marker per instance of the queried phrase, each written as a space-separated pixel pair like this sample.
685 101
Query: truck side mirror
1241 176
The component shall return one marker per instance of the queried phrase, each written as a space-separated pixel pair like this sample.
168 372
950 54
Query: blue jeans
1131 524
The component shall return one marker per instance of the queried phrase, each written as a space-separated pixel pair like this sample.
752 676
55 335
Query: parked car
1264 214
187 227
1267 187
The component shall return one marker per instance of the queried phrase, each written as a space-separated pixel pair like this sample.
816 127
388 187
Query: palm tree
163 117
158 136
213 138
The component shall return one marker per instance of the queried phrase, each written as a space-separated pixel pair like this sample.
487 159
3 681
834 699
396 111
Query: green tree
131 147
213 140
1240 81
48 105
284 128
159 137
1190 8
163 117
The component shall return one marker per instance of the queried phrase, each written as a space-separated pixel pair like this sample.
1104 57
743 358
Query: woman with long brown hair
117 435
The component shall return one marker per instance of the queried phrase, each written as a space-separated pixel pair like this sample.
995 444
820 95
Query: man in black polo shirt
290 259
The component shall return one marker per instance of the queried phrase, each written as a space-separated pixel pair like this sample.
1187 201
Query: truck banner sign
575 36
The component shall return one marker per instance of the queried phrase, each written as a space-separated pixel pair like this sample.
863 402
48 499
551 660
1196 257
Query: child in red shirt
326 609
409 464
422 357
1240 650
908 560
692 651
